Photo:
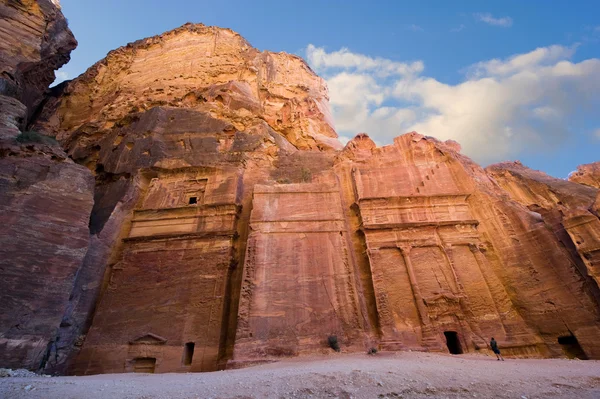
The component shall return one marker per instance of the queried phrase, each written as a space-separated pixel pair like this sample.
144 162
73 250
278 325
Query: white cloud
522 62
547 113
415 28
60 76
489 19
527 101
458 28
319 59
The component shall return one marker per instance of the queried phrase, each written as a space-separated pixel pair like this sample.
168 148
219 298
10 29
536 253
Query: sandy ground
385 375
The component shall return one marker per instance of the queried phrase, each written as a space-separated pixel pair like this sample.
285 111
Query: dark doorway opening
193 200
144 365
188 353
453 343
571 347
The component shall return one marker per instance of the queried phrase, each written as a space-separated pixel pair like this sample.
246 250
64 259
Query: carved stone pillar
421 308
482 262
457 282
471 330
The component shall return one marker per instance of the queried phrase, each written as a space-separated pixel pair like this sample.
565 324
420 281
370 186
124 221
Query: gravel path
385 375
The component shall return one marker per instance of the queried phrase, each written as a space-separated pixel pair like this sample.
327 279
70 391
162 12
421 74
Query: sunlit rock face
229 227
206 69
568 209
588 174
210 116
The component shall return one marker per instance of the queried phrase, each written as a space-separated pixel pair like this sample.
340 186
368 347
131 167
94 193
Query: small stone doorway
144 365
188 353
453 343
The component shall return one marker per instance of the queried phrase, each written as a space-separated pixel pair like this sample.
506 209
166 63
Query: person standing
494 346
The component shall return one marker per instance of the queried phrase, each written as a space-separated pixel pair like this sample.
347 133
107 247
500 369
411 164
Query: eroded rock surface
567 208
230 228
45 198
202 68
35 42
44 212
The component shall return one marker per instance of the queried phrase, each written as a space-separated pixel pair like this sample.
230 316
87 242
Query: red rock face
44 208
35 42
475 230
174 270
566 208
229 228
45 198
298 249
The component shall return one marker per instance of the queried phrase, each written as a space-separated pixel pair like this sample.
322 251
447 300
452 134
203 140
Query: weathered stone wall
36 41
298 274
170 286
44 212
569 211
229 227
428 255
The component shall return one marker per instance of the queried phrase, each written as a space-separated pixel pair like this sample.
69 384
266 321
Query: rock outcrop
45 198
201 68
588 174
35 42
566 208
229 226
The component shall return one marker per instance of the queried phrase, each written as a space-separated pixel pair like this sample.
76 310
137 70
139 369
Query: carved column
482 262
457 282
473 330
421 308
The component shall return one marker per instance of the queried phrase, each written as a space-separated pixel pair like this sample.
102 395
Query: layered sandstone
567 208
35 42
45 198
229 227
223 106
45 205
206 69
445 229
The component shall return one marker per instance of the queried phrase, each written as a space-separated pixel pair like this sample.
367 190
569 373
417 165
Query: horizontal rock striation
229 226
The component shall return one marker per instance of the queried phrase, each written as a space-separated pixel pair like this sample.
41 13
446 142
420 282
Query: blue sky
508 80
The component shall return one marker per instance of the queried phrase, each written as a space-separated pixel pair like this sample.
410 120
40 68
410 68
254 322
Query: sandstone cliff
566 208
201 68
229 227
45 198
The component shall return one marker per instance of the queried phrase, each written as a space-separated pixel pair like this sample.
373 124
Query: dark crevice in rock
110 189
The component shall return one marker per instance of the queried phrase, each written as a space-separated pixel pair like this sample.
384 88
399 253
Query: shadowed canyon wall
45 198
227 225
